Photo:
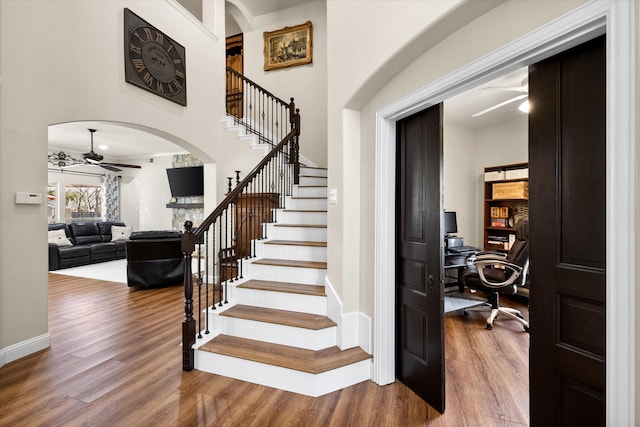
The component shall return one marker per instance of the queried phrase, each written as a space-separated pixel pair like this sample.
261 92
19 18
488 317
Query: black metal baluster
207 260
200 296
221 260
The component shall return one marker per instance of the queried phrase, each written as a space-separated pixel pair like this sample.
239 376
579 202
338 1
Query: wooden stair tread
280 317
302 166
301 225
308 197
311 361
291 288
296 243
305 210
291 263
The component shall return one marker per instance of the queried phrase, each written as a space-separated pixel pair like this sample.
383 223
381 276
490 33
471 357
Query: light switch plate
332 196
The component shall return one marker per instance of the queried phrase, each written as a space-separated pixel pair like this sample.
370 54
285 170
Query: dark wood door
235 61
567 237
419 291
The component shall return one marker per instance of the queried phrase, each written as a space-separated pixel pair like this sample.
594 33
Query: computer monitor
450 223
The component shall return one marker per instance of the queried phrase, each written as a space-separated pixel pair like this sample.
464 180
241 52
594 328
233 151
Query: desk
454 262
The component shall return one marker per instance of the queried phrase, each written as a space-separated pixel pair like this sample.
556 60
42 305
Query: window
51 202
83 203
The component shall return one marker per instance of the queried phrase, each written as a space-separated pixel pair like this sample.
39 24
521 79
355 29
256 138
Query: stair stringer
313 385
354 328
254 142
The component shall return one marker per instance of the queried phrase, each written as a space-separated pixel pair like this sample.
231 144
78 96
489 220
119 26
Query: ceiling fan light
501 104
524 107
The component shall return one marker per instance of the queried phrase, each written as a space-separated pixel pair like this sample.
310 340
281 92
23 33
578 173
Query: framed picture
288 47
495 212
504 212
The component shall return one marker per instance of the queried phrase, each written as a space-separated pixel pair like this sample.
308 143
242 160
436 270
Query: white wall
460 148
362 58
76 72
457 39
154 194
306 83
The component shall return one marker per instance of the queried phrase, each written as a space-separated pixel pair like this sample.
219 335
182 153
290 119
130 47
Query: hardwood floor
115 359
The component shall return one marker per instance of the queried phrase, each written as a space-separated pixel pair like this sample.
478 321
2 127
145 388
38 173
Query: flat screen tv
450 223
184 182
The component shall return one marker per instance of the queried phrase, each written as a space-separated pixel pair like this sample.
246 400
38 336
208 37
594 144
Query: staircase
275 330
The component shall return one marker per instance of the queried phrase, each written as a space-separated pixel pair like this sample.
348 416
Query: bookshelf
506 198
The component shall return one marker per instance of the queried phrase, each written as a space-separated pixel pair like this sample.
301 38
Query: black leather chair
154 259
495 274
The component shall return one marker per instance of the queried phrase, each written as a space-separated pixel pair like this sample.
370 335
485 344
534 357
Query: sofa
82 243
154 259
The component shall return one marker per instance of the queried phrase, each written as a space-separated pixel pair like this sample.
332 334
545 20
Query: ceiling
261 7
459 109
122 143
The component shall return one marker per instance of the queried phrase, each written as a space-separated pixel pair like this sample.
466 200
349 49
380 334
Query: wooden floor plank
486 375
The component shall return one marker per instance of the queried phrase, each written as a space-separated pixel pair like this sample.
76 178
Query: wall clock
153 60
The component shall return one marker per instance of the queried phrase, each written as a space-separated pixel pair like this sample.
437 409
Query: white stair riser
279 334
295 203
301 217
299 253
312 180
313 172
273 273
282 301
313 385
296 233
249 138
313 191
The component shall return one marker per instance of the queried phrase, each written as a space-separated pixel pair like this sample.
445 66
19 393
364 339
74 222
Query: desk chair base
512 313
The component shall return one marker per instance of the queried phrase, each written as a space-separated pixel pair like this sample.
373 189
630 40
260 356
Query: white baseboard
24 348
354 329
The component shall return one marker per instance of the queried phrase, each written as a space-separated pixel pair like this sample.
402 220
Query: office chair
496 273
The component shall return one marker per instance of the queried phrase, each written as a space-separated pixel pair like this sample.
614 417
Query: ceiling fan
523 91
94 158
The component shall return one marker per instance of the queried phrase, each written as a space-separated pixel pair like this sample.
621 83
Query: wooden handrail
251 82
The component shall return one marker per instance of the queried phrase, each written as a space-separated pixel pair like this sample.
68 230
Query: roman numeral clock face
153 61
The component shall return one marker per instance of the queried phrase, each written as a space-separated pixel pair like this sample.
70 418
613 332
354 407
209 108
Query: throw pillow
120 233
59 238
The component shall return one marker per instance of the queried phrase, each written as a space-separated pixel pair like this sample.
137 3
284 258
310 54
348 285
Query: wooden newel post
189 323
295 148
292 110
